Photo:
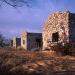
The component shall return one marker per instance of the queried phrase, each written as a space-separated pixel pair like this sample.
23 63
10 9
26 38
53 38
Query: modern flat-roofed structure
31 40
60 27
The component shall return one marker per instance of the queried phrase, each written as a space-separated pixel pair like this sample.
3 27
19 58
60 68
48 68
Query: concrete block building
31 40
60 27
16 42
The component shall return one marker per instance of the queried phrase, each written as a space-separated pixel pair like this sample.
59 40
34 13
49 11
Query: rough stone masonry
60 27
31 40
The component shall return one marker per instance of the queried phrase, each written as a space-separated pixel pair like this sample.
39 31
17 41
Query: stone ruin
31 41
11 43
28 41
59 28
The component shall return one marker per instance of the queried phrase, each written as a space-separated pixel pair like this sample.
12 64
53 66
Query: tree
16 3
1 40
4 41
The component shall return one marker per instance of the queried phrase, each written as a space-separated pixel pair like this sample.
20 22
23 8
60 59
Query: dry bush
58 48
34 63
67 49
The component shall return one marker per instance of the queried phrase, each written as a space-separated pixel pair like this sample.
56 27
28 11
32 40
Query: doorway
55 37
39 42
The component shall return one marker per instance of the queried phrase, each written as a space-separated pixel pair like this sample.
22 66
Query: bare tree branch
1 2
16 3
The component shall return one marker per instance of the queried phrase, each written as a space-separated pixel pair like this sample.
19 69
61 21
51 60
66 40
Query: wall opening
23 41
39 42
55 37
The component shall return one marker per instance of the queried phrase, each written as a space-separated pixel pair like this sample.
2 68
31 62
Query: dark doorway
55 37
39 42
23 42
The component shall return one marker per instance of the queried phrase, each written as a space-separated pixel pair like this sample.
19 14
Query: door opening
55 37
39 42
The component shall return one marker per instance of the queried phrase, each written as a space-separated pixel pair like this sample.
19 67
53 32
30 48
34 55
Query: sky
30 19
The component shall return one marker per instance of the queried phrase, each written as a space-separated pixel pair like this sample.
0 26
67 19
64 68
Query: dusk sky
14 21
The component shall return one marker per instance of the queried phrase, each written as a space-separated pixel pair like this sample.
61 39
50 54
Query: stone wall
57 22
30 40
24 40
11 43
34 40
72 27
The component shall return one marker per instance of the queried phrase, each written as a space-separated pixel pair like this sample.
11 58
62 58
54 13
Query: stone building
11 43
60 27
16 42
31 40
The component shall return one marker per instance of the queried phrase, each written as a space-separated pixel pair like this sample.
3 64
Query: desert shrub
57 47
66 49
20 48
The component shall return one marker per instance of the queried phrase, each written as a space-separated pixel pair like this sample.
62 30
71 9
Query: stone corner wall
24 40
14 42
57 22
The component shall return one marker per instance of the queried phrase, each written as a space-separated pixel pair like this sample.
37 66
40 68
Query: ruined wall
72 27
32 40
14 42
57 22
11 43
24 40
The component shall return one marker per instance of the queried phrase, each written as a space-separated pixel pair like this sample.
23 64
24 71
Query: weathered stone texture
11 43
31 40
61 22
24 40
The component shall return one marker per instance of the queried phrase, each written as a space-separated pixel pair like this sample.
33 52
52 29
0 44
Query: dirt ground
35 63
